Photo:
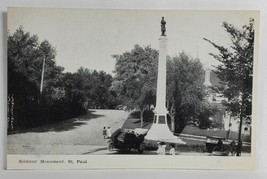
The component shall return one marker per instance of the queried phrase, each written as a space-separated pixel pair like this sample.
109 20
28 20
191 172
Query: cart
217 146
125 140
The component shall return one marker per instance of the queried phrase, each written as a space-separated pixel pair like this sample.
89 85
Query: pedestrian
220 145
109 132
159 151
105 132
232 148
163 146
172 150
109 144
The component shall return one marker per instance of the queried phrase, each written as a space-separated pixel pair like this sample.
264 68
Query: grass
213 132
133 122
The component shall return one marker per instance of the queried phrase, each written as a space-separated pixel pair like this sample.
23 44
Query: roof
214 80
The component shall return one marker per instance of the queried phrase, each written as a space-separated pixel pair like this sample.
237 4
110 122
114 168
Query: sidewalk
53 149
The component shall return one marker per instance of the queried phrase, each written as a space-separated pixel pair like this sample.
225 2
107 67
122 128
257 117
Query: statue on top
163 28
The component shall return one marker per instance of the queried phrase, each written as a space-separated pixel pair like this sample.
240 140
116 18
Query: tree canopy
236 72
236 69
25 59
135 77
64 95
185 90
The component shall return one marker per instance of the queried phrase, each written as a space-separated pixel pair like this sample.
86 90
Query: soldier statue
163 28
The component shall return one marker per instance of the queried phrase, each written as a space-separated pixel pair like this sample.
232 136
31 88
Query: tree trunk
172 114
239 145
141 117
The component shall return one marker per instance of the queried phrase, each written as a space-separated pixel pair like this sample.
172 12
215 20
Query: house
222 117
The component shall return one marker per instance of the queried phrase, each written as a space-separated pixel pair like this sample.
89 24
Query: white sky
88 38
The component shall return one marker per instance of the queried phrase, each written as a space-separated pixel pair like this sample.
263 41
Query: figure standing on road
163 146
109 132
105 132
109 144
172 150
220 145
232 148
159 151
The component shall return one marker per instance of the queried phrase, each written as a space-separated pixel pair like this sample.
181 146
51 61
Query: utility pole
42 77
40 99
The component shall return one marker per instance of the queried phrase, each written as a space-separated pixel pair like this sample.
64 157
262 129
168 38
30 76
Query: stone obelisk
159 130
207 77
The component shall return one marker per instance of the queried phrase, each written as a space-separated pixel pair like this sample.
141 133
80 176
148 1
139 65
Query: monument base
162 133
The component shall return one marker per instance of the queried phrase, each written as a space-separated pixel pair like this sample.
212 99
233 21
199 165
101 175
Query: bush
135 114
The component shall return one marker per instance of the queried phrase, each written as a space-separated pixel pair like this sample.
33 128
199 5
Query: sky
89 37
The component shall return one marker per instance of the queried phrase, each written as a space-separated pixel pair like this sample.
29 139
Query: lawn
213 132
191 145
132 123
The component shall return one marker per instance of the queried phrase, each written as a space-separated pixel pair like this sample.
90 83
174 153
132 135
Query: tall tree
185 90
25 60
236 71
135 78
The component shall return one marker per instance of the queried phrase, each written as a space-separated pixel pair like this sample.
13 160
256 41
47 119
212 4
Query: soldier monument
159 130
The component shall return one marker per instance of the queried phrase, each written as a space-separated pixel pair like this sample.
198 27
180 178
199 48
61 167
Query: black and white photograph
107 84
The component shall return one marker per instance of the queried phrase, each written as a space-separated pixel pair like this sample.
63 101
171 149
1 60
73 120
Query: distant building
222 117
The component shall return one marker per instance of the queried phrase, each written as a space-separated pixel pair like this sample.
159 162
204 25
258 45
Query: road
82 135
77 136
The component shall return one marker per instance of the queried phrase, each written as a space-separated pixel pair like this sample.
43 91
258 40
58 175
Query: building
215 99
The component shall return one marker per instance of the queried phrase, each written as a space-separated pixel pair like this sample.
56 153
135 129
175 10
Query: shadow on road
132 123
61 126
95 150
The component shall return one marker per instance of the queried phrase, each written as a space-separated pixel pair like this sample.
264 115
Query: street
77 136
81 135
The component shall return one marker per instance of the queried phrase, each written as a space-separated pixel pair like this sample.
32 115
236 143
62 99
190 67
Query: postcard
115 89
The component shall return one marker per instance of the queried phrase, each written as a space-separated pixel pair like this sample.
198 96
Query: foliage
185 90
135 79
64 95
236 69
236 72
90 88
25 59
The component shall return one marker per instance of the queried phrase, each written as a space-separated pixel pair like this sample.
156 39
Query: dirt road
74 136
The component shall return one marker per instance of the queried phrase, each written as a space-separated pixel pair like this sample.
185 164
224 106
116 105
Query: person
172 150
220 145
109 132
132 137
159 151
238 148
105 132
232 148
109 144
163 146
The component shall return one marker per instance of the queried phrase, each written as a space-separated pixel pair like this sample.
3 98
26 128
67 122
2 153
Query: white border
151 4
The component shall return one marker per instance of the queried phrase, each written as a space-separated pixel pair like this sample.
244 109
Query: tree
135 78
185 90
64 95
25 59
236 72
90 88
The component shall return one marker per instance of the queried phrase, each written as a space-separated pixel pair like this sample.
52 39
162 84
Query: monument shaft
161 82
159 130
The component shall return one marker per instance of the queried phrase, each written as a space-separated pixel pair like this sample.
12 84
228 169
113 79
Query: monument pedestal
159 130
